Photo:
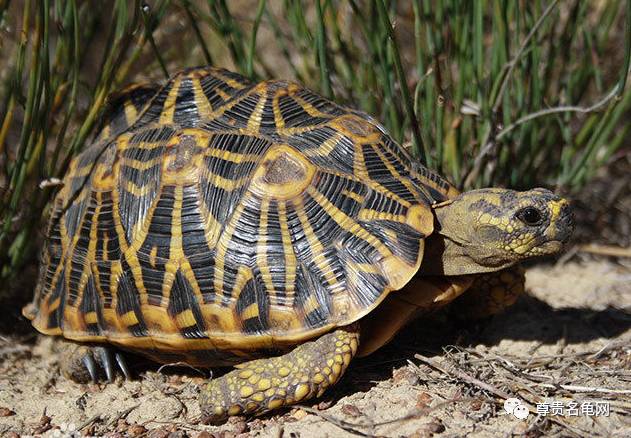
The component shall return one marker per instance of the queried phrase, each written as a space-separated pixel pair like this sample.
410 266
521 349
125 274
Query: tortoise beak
565 223
562 222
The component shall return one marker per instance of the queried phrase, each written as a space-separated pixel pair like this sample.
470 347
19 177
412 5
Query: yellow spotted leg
262 385
490 294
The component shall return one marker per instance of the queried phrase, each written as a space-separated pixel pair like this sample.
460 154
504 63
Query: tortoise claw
89 363
122 365
108 365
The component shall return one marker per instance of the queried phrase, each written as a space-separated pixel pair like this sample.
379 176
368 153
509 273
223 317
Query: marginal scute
420 218
397 271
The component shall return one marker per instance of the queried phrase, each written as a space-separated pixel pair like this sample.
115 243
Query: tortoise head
490 229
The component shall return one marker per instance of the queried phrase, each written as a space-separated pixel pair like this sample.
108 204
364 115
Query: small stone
323 405
82 401
423 400
158 433
12 435
405 375
234 419
299 414
136 430
90 430
6 412
351 410
121 425
93 388
42 425
435 426
240 427
256 424
476 405
520 428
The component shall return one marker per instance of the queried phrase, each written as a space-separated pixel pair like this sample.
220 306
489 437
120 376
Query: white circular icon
510 404
521 412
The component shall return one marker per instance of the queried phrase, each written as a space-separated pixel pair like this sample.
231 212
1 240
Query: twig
472 380
180 364
491 136
560 109
351 427
464 376
545 359
579 388
183 424
606 250
345 425
610 346
569 254
122 414
5 351
89 422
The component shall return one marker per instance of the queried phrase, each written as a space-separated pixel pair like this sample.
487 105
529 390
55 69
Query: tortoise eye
530 216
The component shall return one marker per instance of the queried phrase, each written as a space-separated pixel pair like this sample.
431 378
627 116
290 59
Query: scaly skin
266 384
490 294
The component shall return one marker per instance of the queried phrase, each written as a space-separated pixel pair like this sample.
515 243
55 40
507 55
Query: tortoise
222 222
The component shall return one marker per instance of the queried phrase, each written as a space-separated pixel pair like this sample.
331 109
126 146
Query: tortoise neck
444 256
458 245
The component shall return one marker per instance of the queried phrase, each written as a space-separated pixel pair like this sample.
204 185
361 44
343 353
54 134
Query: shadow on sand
530 319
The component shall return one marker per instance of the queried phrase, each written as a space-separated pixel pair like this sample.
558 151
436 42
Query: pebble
136 430
351 410
299 414
423 400
6 412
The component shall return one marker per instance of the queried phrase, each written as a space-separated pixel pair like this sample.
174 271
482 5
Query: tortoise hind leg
490 294
85 363
265 384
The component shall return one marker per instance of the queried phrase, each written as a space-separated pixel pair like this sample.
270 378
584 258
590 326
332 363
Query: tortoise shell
219 218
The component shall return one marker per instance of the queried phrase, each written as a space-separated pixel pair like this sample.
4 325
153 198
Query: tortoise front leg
490 294
265 384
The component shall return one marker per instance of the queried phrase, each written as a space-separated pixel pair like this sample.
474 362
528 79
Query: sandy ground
568 340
